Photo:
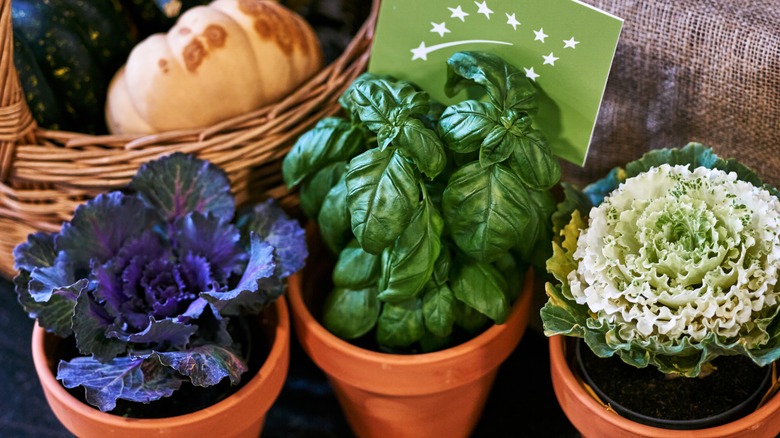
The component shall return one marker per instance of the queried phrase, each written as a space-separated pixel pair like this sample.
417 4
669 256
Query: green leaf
314 190
382 196
534 161
464 126
694 154
334 219
468 318
333 139
573 199
384 105
411 258
487 210
423 146
355 268
513 273
561 315
482 287
506 86
351 313
442 266
400 324
438 310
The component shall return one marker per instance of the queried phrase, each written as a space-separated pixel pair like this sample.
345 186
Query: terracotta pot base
432 394
594 420
240 415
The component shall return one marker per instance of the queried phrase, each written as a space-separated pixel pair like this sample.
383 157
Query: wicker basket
45 174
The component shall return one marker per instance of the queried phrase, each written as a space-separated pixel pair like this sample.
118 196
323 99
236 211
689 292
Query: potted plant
435 214
151 304
667 270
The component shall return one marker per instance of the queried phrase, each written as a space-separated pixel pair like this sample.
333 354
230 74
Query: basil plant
147 279
670 262
434 212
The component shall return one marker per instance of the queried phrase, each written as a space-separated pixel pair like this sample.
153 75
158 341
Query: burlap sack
691 70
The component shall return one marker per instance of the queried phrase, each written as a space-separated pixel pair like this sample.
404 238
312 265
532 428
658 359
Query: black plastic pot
737 411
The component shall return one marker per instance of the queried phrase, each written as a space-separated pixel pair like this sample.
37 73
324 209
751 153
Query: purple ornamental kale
146 281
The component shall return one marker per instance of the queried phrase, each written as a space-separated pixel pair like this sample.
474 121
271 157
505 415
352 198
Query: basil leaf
513 273
482 287
355 268
438 312
333 139
334 219
413 255
351 313
382 194
442 266
506 86
487 210
314 190
423 146
468 318
383 106
400 324
534 161
464 126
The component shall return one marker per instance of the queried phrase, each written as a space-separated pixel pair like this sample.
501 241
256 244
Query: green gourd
65 52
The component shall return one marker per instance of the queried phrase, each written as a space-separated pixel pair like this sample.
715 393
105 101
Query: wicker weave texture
45 174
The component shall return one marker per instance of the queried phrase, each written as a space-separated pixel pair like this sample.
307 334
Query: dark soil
651 393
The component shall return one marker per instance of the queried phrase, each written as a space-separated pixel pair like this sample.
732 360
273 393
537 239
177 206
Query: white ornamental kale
675 267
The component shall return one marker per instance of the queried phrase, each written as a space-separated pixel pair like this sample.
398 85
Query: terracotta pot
422 395
240 415
593 420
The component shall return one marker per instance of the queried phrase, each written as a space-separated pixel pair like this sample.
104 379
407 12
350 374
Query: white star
530 73
540 35
440 28
420 52
550 59
512 21
458 13
483 9
570 43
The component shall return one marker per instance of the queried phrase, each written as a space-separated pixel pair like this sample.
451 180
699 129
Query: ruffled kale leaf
211 238
205 365
179 184
268 221
135 379
101 226
258 285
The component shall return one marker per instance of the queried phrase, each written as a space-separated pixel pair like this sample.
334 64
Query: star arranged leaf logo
565 47
466 12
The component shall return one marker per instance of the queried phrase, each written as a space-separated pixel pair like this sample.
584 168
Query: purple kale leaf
180 184
147 280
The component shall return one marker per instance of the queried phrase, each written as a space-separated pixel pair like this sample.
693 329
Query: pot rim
560 367
277 353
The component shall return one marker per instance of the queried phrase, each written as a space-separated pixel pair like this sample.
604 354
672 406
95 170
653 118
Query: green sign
565 46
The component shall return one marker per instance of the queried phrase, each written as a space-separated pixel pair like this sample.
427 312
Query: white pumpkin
218 61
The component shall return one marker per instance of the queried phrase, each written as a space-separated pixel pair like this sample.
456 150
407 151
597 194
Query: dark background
522 403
